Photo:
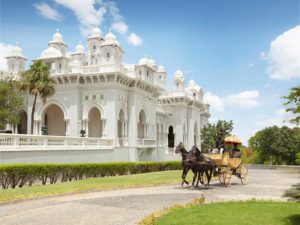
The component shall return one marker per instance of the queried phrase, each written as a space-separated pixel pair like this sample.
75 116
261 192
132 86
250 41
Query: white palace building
126 111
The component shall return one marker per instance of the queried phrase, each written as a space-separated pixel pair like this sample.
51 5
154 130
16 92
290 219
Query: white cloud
5 50
47 11
88 13
244 99
281 118
214 101
120 27
284 55
134 39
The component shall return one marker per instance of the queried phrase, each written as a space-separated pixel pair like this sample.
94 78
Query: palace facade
129 105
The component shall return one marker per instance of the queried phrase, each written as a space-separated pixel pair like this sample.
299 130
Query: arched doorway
195 134
54 120
22 125
95 123
121 127
171 137
142 125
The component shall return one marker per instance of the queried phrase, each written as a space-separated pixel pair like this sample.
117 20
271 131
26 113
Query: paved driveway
127 206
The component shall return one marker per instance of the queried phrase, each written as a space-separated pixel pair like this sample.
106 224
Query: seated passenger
236 153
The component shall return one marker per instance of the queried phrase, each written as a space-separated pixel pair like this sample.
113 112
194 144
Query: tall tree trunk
32 112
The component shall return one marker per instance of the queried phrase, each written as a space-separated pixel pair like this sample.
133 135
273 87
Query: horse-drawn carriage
224 164
227 166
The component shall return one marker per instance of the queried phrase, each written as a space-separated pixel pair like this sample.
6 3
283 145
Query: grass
231 213
128 181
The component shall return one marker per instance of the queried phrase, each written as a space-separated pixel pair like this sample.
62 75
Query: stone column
103 127
67 127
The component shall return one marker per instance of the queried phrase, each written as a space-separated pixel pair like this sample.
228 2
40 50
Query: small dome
79 49
143 61
178 74
161 69
75 63
51 52
16 51
57 37
110 36
151 62
192 83
110 39
96 33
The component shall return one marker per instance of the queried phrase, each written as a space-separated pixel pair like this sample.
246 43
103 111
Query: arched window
94 48
147 73
142 129
171 137
107 56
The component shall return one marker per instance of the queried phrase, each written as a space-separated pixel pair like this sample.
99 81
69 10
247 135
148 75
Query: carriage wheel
243 174
227 178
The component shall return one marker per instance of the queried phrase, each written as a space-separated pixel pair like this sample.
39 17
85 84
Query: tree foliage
276 145
11 103
210 133
293 104
38 82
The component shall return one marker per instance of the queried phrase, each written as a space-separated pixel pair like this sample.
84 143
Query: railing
146 142
16 142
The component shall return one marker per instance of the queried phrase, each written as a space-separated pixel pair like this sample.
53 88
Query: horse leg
184 173
194 178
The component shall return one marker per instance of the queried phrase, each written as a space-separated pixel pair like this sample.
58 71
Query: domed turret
161 69
143 61
79 49
192 83
58 43
178 80
16 60
110 39
57 37
50 52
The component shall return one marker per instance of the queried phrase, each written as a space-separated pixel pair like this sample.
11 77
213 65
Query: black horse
200 165
186 164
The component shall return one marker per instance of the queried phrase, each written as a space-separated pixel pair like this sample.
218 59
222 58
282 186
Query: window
94 97
147 73
171 137
107 56
94 48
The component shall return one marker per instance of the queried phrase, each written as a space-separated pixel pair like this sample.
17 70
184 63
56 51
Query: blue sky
236 50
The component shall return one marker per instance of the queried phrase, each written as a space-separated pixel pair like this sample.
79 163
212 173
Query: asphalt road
127 206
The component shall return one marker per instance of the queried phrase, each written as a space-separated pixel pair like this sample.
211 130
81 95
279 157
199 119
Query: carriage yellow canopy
232 139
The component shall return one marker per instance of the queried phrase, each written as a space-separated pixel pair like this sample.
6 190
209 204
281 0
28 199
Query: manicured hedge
18 175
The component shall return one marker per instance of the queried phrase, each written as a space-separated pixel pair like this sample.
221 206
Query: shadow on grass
293 219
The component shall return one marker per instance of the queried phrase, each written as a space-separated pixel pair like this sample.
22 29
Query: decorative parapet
19 142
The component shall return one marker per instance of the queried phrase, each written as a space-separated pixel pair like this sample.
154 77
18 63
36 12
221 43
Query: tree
210 133
276 145
293 102
38 82
11 103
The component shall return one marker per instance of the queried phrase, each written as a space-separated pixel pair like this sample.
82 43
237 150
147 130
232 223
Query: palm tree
38 82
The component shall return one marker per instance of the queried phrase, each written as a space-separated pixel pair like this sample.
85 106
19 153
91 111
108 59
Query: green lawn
136 180
235 213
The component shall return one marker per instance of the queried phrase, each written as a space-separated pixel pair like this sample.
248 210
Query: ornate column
67 121
103 127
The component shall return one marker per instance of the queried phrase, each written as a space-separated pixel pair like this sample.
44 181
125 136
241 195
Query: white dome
16 51
51 52
57 37
75 63
79 49
143 61
96 33
192 83
178 74
151 62
161 69
110 39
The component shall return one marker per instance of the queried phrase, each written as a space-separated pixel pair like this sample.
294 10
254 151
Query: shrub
18 175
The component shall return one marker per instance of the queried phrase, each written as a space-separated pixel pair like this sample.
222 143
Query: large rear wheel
227 177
